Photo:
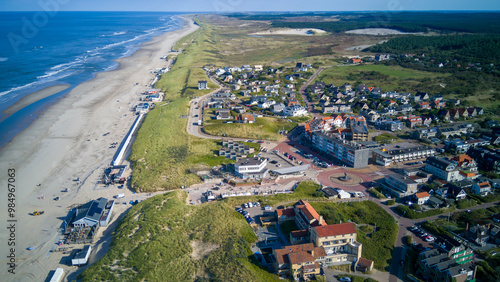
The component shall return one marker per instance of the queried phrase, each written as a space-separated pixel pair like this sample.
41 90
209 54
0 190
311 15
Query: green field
164 239
264 128
392 78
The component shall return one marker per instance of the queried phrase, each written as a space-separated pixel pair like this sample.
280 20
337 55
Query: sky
246 5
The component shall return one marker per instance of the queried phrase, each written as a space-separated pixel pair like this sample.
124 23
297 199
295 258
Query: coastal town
321 167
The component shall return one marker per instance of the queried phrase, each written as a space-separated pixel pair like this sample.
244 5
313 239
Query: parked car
345 279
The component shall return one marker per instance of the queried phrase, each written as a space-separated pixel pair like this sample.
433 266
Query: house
482 189
393 125
421 96
477 234
438 104
442 169
355 61
465 162
245 118
266 104
424 133
487 159
457 193
422 198
414 121
294 111
202 85
382 57
278 108
424 106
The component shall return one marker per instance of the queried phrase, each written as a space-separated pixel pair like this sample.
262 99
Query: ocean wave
115 33
2 59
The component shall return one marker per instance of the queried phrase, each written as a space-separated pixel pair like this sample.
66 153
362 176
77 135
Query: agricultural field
164 237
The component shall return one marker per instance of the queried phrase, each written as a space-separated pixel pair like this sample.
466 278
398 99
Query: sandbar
35 97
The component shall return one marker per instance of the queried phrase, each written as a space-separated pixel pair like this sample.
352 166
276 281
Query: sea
42 49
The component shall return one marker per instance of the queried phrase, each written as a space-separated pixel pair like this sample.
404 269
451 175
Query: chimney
312 252
321 220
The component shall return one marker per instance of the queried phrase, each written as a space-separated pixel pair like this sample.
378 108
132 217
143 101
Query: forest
483 49
444 22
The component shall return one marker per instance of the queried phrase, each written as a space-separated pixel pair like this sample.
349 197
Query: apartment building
401 152
350 152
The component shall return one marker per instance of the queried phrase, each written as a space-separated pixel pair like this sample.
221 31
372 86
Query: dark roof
438 162
447 243
329 192
249 161
91 210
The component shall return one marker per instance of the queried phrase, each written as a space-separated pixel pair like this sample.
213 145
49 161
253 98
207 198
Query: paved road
310 105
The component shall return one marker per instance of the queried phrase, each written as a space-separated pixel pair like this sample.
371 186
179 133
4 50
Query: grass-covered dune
164 239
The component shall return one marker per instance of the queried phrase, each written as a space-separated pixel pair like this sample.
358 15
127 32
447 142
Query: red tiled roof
286 212
282 254
300 257
422 195
335 229
365 262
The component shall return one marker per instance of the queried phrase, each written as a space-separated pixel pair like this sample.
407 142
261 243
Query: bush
408 240
376 193
409 213
463 204
390 202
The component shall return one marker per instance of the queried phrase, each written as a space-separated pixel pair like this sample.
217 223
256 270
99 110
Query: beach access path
71 140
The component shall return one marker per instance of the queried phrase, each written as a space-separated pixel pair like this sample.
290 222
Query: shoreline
68 142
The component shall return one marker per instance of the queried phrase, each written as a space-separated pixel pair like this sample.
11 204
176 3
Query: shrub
408 240
463 204
390 202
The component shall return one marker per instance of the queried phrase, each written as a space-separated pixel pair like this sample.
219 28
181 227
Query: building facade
349 152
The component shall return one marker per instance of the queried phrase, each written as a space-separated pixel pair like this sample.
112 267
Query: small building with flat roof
82 257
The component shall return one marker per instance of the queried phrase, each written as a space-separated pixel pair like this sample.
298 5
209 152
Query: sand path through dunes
67 142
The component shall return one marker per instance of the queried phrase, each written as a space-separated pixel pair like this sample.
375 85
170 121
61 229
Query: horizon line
275 11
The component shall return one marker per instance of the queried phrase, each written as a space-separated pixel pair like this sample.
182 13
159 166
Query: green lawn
163 239
264 128
379 245
386 138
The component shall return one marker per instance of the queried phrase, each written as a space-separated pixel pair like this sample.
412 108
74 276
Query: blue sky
246 5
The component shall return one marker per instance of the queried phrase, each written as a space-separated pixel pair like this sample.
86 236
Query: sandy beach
65 143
